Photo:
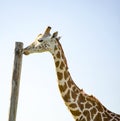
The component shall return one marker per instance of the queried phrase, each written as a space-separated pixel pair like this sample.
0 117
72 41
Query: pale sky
90 32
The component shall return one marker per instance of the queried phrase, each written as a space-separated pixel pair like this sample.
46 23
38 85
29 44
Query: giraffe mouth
25 52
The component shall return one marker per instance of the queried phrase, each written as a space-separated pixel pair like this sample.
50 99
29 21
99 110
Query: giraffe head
43 42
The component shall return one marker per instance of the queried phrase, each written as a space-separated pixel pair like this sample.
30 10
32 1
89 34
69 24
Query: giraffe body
82 106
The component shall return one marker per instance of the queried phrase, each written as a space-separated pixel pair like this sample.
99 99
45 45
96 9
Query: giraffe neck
63 74
68 89
82 106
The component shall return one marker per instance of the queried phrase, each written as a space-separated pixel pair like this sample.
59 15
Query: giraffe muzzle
25 52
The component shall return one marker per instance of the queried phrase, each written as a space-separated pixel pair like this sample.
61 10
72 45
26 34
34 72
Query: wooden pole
15 81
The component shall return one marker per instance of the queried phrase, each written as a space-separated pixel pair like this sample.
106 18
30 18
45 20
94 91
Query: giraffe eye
40 40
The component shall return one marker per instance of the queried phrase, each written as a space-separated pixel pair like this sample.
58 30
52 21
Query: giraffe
82 106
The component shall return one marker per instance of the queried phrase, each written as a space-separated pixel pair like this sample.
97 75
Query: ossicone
47 31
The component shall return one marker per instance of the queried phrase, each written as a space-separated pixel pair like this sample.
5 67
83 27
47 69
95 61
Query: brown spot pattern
80 105
93 112
70 83
80 101
66 74
99 107
82 98
60 75
87 114
74 95
75 89
73 105
92 100
88 105
81 119
62 65
58 54
57 63
67 97
98 117
108 116
75 112
63 87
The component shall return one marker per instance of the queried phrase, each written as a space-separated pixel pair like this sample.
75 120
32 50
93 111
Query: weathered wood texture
15 81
